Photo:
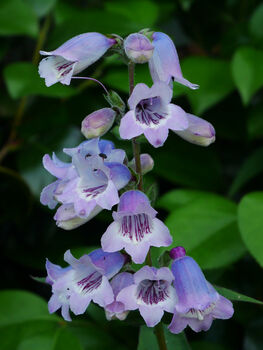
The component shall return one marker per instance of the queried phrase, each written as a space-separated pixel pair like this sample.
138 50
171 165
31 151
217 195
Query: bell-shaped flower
147 163
96 185
68 174
199 131
73 57
198 302
98 123
116 310
164 64
138 48
151 293
85 280
152 114
135 228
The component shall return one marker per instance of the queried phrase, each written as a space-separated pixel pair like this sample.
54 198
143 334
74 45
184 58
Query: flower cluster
97 171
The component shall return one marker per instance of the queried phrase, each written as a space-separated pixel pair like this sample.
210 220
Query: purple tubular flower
98 123
147 163
199 131
135 228
138 48
152 114
164 64
116 310
151 293
96 171
84 280
73 57
198 302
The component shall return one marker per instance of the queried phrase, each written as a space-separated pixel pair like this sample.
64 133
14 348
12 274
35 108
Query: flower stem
158 329
135 144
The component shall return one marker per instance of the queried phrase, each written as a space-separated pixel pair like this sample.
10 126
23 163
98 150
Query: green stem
158 330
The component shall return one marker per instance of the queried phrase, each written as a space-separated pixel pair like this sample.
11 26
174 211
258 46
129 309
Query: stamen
147 114
199 314
153 292
135 226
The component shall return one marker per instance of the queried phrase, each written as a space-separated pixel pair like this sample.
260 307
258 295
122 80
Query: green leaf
66 340
251 167
247 72
177 198
20 306
145 11
255 23
250 221
17 18
147 340
235 296
204 224
214 78
22 79
41 7
190 166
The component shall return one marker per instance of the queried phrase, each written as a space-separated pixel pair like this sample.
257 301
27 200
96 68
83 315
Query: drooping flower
198 302
73 57
117 309
164 64
84 280
138 48
88 184
135 228
199 131
98 123
151 293
152 114
147 163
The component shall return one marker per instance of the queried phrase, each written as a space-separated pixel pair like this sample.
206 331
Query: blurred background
211 198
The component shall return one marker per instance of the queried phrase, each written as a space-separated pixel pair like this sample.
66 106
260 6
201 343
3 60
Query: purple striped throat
135 227
153 292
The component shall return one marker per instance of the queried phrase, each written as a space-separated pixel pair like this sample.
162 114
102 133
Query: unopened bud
138 48
147 163
199 131
98 123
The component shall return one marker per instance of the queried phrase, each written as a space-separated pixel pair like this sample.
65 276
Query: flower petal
156 136
178 119
128 127
111 241
151 315
160 236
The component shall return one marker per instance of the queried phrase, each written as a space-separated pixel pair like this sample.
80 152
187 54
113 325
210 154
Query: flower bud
199 131
147 163
98 123
138 48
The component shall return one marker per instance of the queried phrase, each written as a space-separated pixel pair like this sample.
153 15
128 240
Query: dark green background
211 198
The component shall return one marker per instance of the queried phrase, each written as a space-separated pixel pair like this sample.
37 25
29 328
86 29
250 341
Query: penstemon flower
135 228
199 131
138 48
117 310
151 293
84 280
198 302
94 177
73 57
152 114
164 64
